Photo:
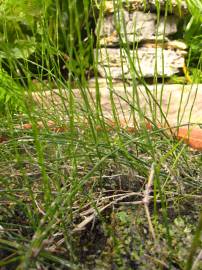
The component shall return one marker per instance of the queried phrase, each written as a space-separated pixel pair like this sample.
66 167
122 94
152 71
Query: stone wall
135 42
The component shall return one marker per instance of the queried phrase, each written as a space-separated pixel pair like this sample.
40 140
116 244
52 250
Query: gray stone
173 6
178 7
148 62
134 27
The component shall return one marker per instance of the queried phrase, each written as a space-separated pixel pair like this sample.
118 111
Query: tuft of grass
75 199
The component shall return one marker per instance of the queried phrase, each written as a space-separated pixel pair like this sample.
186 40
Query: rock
102 82
110 6
134 27
148 62
182 104
172 44
176 7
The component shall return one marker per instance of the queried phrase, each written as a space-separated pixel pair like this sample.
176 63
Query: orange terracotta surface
192 137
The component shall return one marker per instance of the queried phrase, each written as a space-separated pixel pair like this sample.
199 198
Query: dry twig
146 199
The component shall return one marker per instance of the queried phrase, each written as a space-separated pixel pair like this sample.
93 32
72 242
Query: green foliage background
38 39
